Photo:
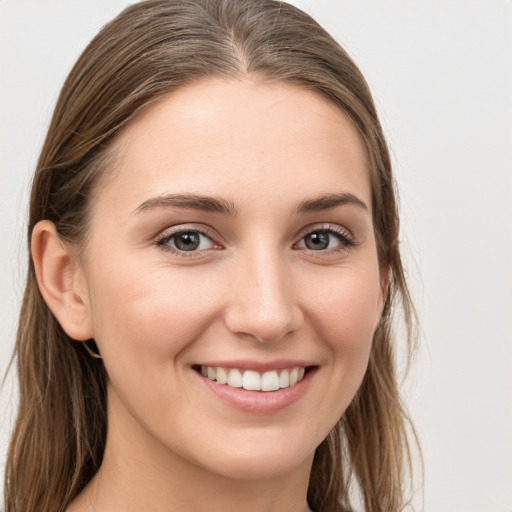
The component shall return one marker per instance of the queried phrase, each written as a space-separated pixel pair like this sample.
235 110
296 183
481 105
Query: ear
61 281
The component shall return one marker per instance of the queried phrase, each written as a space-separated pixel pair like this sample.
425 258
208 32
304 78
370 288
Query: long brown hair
148 51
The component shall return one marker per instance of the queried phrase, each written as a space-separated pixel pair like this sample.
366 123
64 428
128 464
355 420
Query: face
231 277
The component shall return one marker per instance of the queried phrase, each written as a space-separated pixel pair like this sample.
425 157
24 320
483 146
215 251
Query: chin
272 464
261 455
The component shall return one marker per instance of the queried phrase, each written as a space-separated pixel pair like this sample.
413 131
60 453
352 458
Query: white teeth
235 378
284 379
269 381
294 376
222 375
252 380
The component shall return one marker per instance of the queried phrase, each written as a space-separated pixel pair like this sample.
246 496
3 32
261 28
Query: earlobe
60 281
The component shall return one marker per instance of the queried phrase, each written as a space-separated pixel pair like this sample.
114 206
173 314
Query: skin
252 291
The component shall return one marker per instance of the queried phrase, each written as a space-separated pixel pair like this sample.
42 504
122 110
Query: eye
187 241
325 239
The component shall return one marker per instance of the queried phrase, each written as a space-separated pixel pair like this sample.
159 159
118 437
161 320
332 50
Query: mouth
252 380
257 387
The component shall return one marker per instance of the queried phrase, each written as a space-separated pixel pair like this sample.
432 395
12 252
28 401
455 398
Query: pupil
317 240
187 241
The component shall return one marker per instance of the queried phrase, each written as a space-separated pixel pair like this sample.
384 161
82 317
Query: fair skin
276 271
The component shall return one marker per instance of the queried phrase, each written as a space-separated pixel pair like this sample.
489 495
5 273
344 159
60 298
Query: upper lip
259 366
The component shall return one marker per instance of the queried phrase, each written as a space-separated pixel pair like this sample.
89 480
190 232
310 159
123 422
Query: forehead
238 139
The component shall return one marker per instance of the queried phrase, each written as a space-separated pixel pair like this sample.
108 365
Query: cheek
347 315
344 310
348 310
149 314
144 323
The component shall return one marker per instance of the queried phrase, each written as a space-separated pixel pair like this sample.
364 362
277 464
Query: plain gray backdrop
441 74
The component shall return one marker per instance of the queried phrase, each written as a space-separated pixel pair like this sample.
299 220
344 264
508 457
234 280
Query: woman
214 265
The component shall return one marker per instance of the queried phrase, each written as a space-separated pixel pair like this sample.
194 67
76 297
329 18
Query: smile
251 380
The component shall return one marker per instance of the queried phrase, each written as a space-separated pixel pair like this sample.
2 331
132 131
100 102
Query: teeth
222 376
294 376
235 378
252 380
284 379
269 381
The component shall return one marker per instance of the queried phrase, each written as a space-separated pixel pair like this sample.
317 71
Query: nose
263 304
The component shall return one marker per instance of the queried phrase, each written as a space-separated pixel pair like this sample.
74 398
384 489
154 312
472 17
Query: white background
441 73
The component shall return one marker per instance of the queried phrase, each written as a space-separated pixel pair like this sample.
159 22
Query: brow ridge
328 201
212 204
209 204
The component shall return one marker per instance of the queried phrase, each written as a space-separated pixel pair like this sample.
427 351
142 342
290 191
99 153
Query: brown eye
318 240
187 241
328 240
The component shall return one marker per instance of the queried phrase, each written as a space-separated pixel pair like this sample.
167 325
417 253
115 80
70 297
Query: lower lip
259 402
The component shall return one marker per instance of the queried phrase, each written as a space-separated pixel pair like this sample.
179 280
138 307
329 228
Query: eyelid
344 235
167 234
346 239
335 228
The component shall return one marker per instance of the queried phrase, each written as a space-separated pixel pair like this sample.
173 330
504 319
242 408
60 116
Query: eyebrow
189 201
221 206
328 201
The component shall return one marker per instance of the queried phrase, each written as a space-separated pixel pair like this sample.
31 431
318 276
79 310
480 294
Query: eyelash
163 241
345 239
